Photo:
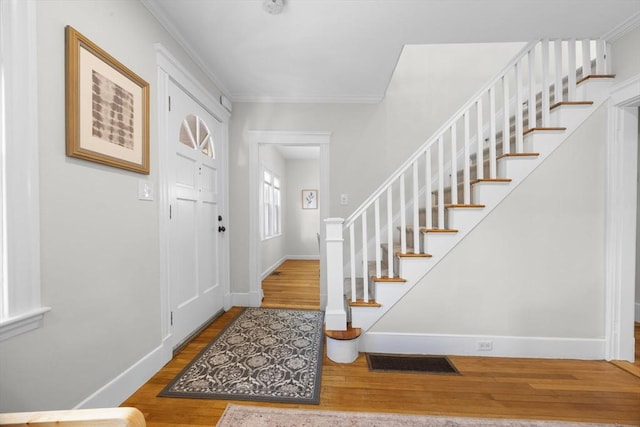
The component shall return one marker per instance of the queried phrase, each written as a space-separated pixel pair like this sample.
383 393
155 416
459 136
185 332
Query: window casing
271 205
20 308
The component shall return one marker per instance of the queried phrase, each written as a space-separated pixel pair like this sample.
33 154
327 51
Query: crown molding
621 30
346 99
162 18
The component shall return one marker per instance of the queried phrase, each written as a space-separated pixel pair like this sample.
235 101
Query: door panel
185 172
194 265
184 252
209 229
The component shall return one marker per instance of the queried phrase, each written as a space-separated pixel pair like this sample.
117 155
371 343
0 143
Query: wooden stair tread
438 230
570 103
458 205
350 334
388 279
478 180
595 76
515 155
541 129
409 255
362 303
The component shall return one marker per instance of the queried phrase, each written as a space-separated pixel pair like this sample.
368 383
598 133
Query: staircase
456 179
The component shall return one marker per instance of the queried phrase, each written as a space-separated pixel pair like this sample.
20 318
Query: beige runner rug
257 416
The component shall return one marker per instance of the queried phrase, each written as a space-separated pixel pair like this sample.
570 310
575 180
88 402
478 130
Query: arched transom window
195 134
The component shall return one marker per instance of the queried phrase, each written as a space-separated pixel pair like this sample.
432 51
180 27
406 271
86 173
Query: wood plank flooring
294 284
569 390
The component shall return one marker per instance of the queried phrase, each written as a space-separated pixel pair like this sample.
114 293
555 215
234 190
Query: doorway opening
621 220
301 151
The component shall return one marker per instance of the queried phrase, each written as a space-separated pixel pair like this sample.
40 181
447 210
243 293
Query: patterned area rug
263 355
254 416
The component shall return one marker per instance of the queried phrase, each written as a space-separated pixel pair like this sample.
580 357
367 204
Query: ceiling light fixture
273 7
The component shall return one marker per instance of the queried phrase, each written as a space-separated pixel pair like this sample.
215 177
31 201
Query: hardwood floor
569 390
294 284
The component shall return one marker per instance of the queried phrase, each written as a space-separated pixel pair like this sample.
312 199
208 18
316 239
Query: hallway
294 284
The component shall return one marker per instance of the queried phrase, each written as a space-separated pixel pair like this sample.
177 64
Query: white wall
368 141
625 63
302 225
273 249
535 266
637 299
99 244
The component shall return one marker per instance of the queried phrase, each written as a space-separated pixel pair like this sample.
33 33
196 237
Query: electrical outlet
485 345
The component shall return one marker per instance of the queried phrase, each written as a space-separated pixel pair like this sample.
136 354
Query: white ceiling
346 50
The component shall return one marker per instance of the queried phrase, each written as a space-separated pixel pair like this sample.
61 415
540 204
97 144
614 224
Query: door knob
221 229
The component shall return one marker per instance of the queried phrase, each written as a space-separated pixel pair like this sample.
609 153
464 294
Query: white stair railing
490 124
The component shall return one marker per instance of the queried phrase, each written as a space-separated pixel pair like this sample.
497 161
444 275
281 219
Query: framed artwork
309 199
107 107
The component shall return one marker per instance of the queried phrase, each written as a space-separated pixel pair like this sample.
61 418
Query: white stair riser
593 89
569 116
437 244
543 142
464 218
412 269
516 168
491 193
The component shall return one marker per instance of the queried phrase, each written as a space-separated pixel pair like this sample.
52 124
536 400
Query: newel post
335 314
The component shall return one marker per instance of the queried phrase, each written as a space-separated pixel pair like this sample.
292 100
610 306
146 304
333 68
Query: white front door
196 228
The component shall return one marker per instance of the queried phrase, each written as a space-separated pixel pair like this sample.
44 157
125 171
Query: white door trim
169 68
620 219
257 137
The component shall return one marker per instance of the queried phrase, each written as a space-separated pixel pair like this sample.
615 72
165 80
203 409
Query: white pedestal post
335 316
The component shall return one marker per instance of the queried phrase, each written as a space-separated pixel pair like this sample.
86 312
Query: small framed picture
309 199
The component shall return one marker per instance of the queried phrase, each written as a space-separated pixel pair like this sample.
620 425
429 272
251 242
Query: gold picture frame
107 107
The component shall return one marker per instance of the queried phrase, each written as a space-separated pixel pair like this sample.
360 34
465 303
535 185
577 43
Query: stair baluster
390 270
571 83
544 75
454 164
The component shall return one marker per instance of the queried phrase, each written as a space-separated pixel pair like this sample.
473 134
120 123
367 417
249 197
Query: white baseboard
124 385
467 345
637 312
246 299
240 299
272 268
303 257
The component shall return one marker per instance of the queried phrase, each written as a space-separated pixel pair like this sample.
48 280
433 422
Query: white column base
342 351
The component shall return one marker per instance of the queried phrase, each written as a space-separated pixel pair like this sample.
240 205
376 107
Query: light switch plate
145 190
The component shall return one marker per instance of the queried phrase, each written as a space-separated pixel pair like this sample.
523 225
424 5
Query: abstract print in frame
107 107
